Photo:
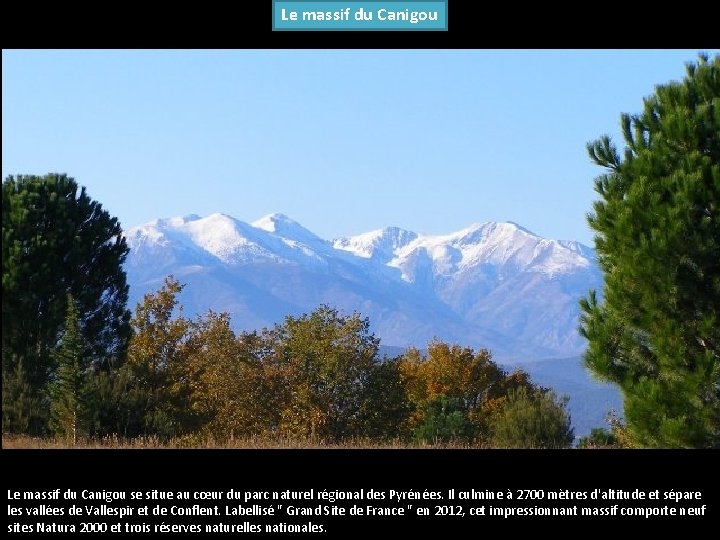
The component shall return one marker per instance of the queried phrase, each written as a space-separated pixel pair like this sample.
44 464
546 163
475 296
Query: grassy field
25 442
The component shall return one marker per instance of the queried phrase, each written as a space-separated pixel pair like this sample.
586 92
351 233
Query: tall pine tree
68 389
656 330
55 240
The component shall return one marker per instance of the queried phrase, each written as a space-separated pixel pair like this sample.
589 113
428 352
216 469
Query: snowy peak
491 233
222 236
230 240
291 231
581 249
277 238
274 238
380 244
510 247
279 224
144 234
504 245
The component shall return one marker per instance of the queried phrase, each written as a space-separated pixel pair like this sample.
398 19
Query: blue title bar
367 15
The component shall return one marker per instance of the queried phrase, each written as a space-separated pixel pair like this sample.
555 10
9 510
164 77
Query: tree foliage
450 382
157 356
229 393
57 241
329 359
444 419
532 420
313 376
599 438
68 389
656 331
24 410
119 404
385 407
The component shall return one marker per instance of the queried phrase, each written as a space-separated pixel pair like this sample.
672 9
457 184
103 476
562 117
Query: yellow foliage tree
157 357
326 360
217 375
467 378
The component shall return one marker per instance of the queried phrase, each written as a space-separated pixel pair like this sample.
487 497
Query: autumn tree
157 358
451 380
230 393
329 359
385 407
655 330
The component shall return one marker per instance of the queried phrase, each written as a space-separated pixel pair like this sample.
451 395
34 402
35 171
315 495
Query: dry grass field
24 442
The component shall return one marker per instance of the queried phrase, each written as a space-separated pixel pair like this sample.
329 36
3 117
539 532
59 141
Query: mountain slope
493 285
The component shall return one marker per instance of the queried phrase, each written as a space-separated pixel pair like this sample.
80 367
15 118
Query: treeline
317 376
76 363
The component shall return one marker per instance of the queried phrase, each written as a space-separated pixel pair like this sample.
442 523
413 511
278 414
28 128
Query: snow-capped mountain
493 285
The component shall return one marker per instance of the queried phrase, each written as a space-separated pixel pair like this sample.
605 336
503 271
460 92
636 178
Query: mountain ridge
492 284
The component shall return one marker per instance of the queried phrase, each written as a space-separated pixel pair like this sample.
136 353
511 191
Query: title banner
365 15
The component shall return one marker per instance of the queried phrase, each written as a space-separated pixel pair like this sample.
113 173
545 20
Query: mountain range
493 285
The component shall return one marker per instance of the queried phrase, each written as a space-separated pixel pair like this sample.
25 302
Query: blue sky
342 141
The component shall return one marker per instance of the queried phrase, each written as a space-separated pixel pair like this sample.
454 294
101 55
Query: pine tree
444 420
68 389
119 404
55 240
23 408
656 330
